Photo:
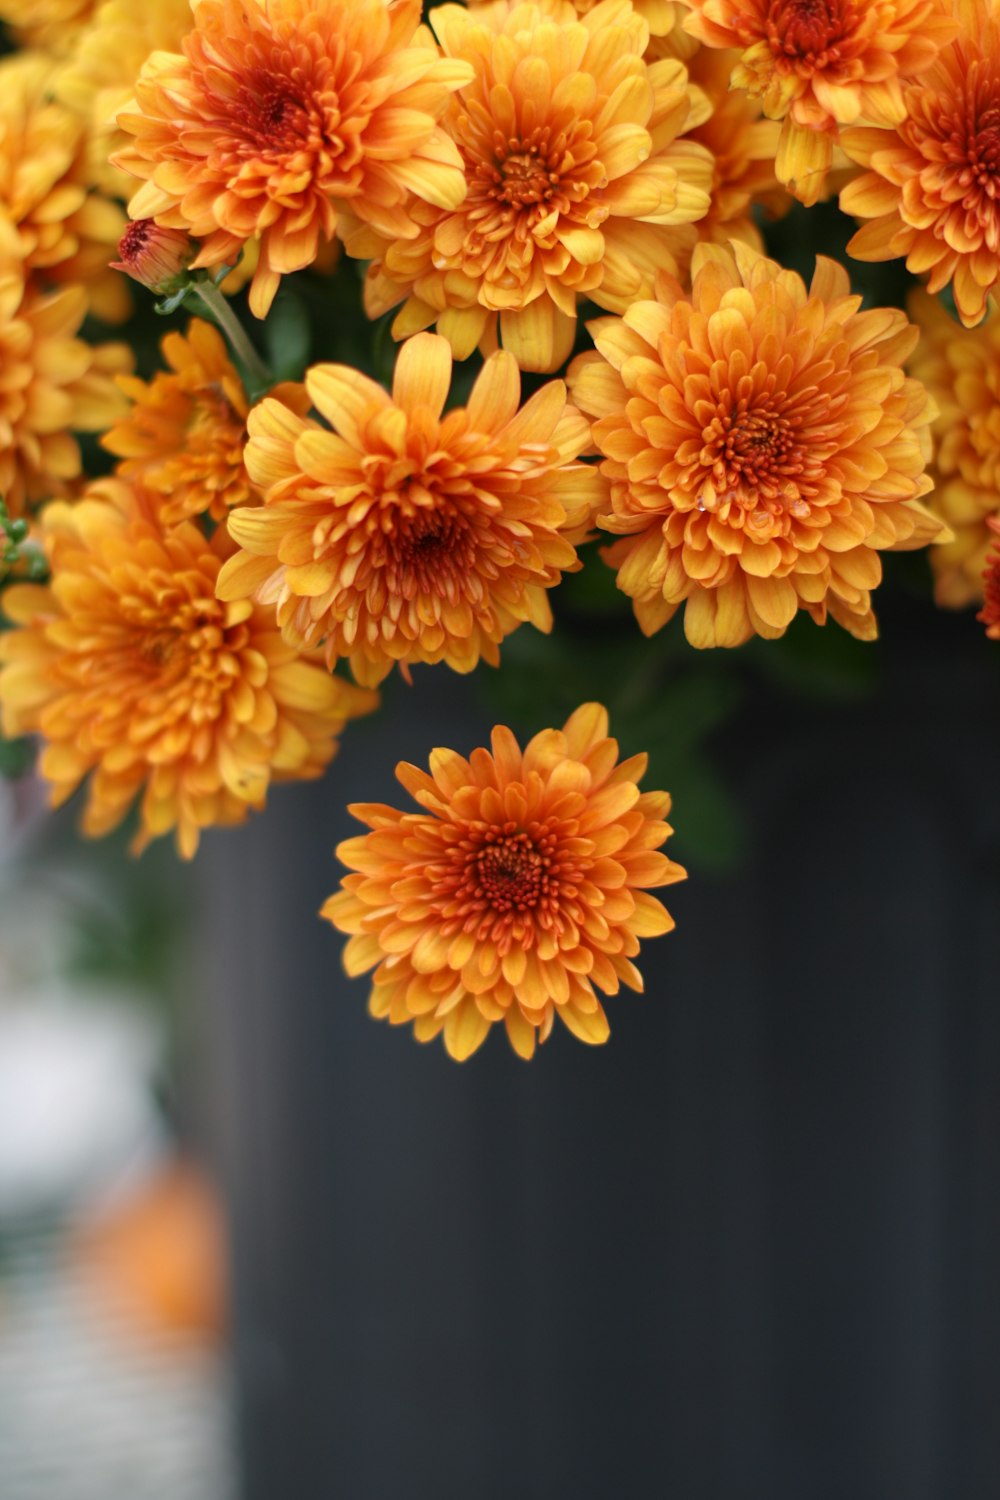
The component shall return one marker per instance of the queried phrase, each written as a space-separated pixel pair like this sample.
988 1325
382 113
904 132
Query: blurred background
254 1245
114 1376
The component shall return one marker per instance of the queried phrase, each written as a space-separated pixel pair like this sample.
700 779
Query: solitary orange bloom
932 189
185 432
134 674
518 889
408 536
990 612
762 442
819 64
279 113
51 385
961 369
577 183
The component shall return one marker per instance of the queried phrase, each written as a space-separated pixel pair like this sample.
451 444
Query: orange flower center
288 105
158 646
215 436
428 552
524 176
984 151
809 30
511 873
269 114
756 459
178 641
504 882
523 179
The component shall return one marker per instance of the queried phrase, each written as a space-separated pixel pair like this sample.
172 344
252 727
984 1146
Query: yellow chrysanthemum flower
743 146
578 185
184 434
961 369
819 66
282 112
98 80
53 26
519 888
406 535
932 188
661 16
67 232
52 384
136 676
762 443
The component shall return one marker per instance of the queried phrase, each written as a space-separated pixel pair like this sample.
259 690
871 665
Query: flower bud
156 256
990 612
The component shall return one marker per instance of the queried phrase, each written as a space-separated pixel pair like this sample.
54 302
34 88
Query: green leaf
16 757
287 335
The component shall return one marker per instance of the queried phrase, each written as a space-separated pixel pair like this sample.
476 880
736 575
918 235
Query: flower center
541 171
523 177
159 646
806 29
179 640
509 883
268 109
510 873
429 551
751 450
984 151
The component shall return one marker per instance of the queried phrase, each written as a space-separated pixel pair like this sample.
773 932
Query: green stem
259 377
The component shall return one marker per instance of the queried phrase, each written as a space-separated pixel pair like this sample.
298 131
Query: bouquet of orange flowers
507 316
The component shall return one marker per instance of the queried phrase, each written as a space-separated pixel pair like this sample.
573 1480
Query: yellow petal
465 1030
423 374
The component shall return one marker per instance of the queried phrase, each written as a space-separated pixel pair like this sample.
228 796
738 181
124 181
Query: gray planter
748 1249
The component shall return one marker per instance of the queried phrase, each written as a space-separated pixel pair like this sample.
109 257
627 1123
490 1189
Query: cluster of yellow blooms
263 555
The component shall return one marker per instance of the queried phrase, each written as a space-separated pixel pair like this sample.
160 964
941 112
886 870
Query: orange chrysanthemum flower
762 442
408 536
185 433
961 370
518 889
819 64
134 674
67 232
990 612
577 182
51 385
280 113
932 189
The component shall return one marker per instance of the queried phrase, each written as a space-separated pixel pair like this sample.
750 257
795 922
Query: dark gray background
748 1249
